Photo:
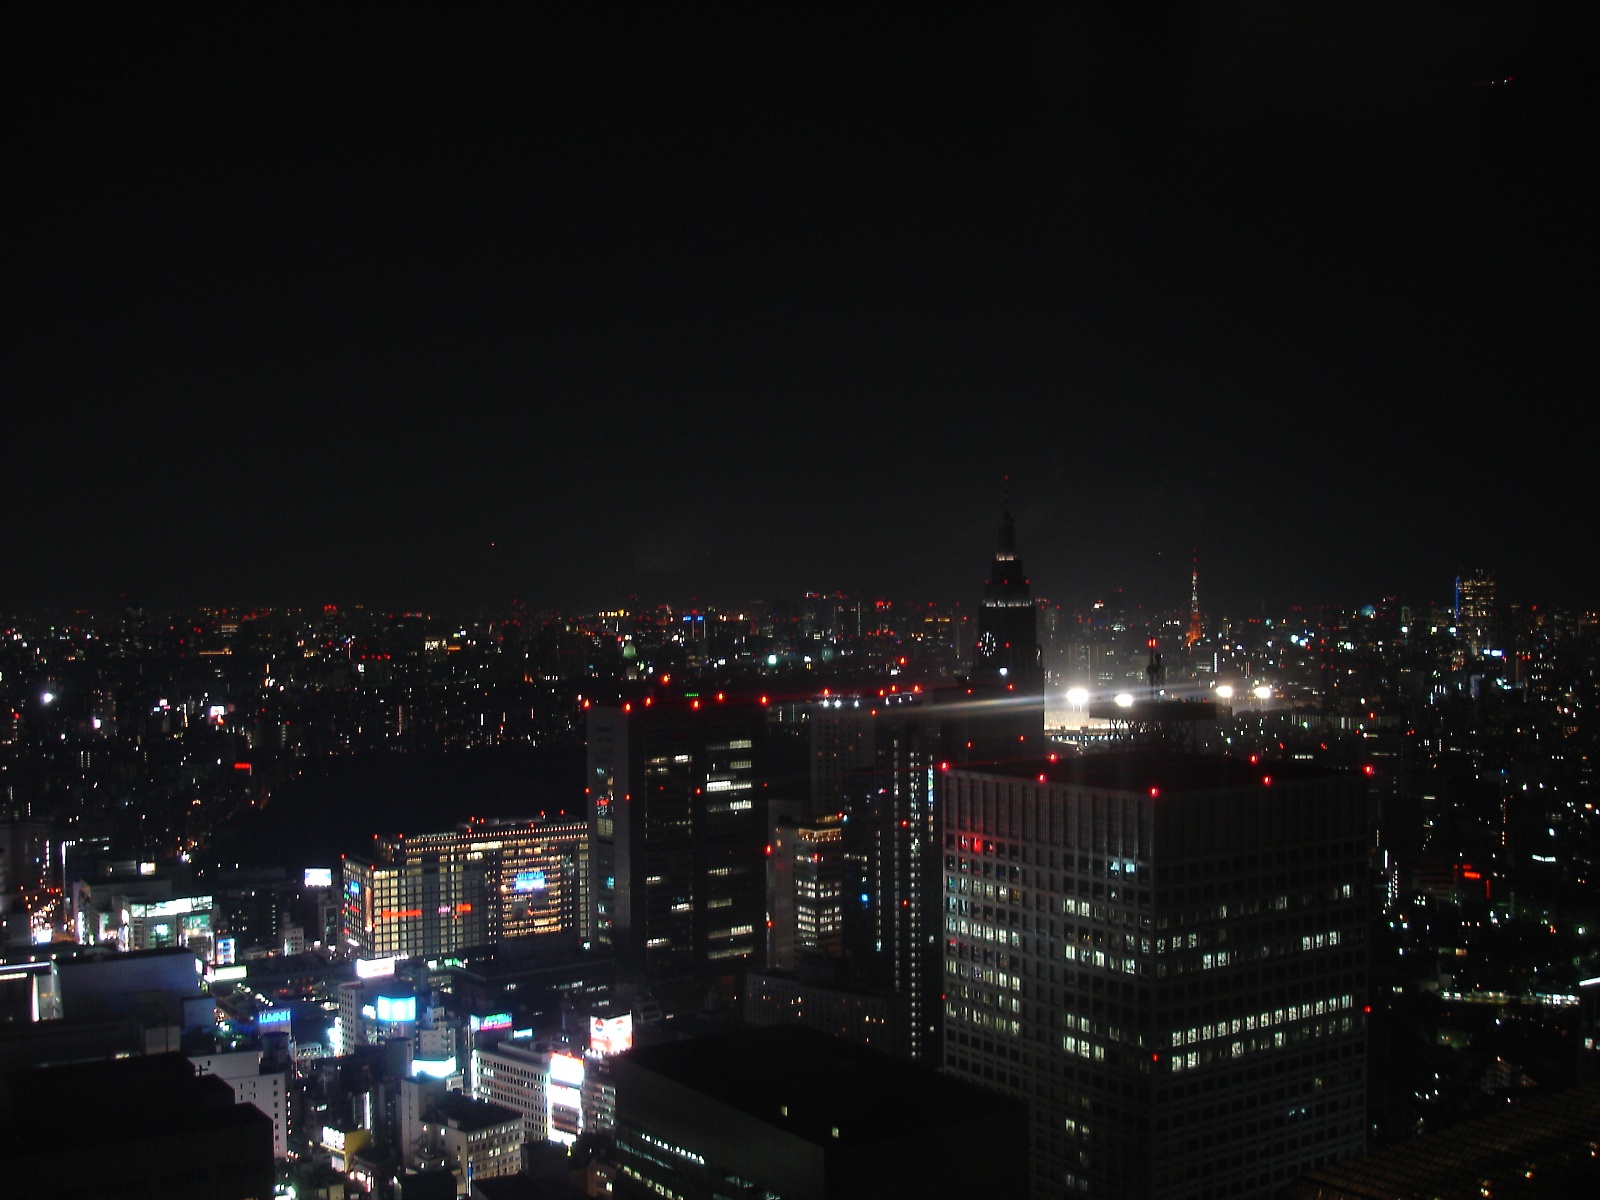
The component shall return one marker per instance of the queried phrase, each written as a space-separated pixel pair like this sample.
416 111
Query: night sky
410 310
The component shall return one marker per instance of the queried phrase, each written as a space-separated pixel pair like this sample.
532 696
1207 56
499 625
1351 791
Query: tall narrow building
678 824
1164 955
1005 709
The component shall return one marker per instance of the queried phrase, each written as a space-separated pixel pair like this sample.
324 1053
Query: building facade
1164 955
805 890
434 894
677 815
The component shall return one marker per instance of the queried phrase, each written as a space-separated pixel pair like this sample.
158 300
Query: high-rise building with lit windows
1164 955
805 890
1476 617
678 818
431 894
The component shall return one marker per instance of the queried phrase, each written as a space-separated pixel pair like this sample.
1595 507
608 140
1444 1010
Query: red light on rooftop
649 700
763 699
825 692
1370 769
1255 758
586 704
719 697
1052 756
944 766
694 704
627 708
666 679
1155 791
1267 780
1041 779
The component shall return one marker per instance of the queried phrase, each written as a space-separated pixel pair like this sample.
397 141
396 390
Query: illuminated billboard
397 1009
319 877
566 1069
491 1022
611 1035
375 968
270 1018
528 881
434 1068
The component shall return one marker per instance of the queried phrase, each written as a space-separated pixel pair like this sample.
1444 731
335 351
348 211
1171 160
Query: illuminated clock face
986 645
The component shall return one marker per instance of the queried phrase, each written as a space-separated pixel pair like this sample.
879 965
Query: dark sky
412 310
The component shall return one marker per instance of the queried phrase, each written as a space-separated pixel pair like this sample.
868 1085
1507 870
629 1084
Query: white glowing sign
397 1009
319 877
564 1068
436 1068
375 968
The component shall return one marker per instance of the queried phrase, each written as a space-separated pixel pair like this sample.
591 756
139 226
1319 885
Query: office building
1476 613
1164 955
805 890
541 1081
890 918
677 814
794 1113
264 1086
473 1139
875 1019
436 894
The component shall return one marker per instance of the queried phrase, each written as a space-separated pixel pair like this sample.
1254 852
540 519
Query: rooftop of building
146 1093
469 1115
1141 769
817 1087
1542 1146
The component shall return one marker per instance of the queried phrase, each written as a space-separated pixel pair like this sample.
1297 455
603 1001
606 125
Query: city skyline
679 306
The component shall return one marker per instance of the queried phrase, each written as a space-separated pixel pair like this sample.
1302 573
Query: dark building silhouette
795 1113
1542 1148
678 823
1004 707
162 1131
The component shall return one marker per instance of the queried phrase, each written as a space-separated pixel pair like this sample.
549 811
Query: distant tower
1007 679
1195 632
1476 610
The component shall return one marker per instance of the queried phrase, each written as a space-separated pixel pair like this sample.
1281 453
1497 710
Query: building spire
1008 526
1195 631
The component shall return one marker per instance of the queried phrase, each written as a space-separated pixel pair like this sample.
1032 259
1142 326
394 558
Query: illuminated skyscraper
1475 611
1164 955
679 832
805 890
432 894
